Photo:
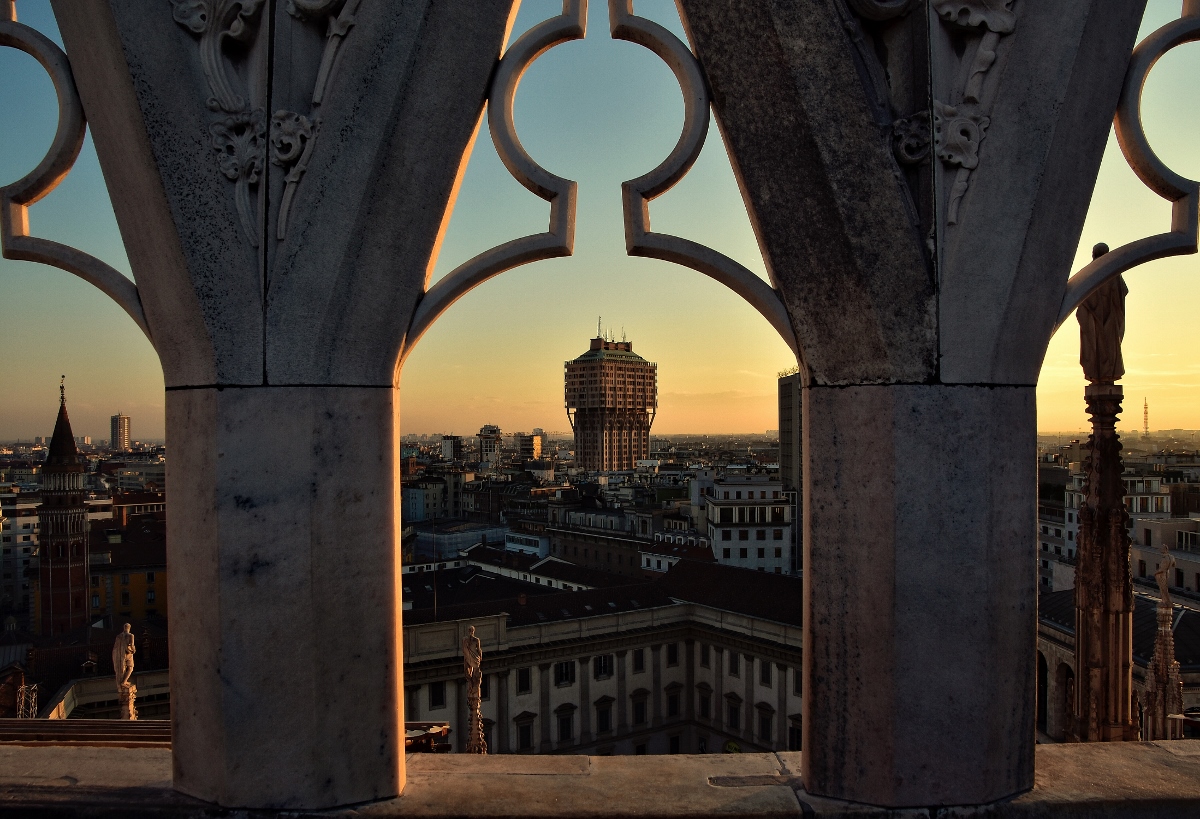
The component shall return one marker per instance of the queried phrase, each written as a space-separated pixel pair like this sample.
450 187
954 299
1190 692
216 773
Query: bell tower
63 551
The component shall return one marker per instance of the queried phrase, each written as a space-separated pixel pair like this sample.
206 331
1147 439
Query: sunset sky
598 111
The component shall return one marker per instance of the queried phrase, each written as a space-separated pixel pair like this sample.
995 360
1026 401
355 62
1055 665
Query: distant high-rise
611 399
63 541
489 444
790 428
529 447
119 439
451 448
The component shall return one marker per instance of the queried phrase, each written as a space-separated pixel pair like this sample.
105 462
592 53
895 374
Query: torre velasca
611 397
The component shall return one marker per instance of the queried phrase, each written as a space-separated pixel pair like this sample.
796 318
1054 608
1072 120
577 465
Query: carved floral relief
240 137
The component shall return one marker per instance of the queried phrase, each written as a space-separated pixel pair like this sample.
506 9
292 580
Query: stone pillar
656 715
545 718
622 696
1103 586
923 274
585 702
920 509
278 269
266 487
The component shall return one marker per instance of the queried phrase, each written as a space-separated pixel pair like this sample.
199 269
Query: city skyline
495 357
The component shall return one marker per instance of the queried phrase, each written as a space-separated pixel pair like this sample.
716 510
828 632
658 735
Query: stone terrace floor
1153 779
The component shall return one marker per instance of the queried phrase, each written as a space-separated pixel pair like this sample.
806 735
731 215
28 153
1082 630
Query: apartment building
750 523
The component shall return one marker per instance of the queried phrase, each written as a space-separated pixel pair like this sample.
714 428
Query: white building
750 523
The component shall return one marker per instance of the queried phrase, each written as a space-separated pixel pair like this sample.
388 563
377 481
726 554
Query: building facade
119 438
490 444
791 430
750 523
627 670
63 521
452 448
611 396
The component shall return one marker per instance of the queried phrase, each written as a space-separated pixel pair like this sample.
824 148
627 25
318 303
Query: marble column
260 601
278 269
920 597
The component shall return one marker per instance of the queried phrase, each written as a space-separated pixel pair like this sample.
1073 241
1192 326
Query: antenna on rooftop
62 389
599 332
623 333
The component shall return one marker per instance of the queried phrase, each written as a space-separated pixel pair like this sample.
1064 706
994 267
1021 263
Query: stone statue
472 661
122 657
1101 329
472 653
1163 575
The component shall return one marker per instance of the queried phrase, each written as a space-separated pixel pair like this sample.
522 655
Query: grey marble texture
919 518
285 630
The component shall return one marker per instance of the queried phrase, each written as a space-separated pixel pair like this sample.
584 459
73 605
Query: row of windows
762 494
604 723
603 665
752 514
744 534
150 598
1180 577
744 553
124 579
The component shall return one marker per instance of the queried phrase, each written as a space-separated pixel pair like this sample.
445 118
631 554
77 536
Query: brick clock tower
63 550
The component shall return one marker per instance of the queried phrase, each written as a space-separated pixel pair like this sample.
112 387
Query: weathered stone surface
284 566
810 148
1159 780
1004 267
366 223
919 690
331 301
282 174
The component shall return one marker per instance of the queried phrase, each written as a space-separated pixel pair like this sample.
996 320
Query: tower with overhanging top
611 396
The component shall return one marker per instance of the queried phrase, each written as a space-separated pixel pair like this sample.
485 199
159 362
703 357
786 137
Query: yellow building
129 569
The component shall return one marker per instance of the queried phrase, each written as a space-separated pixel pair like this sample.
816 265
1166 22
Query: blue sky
598 111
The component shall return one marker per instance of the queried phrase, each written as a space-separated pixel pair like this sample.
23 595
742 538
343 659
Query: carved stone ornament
215 21
292 139
240 139
959 132
994 15
962 127
911 138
